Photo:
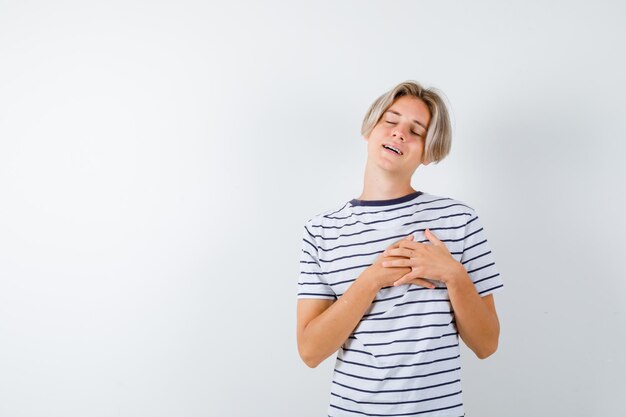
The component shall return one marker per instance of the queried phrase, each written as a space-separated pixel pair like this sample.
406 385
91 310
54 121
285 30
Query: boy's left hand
429 261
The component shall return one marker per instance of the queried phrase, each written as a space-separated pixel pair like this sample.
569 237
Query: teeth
393 149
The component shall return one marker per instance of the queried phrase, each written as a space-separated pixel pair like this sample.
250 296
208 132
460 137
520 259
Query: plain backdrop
158 160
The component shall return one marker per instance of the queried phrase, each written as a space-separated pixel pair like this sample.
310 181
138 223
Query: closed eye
393 123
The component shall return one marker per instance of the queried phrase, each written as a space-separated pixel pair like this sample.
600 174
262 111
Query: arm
476 317
324 325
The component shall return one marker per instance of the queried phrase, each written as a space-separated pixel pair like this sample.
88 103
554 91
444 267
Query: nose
399 133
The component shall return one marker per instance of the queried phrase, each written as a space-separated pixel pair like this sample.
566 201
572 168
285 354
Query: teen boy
391 279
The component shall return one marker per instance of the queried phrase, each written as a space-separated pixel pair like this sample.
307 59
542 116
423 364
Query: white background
159 159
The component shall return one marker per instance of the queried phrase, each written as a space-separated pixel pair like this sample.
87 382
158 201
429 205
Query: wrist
458 277
369 282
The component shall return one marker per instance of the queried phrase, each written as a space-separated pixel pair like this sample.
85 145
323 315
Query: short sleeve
478 259
311 283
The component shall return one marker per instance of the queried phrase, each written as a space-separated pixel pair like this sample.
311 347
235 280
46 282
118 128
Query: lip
395 145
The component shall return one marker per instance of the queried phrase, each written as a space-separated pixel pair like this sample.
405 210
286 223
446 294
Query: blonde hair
439 134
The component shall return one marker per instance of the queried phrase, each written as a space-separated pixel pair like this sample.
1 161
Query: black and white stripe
403 359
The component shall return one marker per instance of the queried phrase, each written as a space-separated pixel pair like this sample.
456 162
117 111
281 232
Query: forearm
326 333
478 326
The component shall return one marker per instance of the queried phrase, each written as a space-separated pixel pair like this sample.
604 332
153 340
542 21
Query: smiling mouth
392 149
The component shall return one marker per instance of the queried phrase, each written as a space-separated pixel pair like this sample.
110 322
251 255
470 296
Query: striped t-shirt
403 358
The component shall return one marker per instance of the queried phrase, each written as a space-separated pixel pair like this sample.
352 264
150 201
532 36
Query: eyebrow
395 112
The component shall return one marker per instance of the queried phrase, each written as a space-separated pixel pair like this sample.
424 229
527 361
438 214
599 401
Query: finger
396 245
406 278
422 282
398 252
398 263
412 278
433 239
410 244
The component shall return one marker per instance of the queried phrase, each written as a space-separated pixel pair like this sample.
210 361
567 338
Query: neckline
398 200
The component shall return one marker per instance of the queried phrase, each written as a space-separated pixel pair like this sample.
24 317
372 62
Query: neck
384 185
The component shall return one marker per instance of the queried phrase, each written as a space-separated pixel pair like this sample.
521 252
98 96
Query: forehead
412 108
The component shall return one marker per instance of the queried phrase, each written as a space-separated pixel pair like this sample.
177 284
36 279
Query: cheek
377 135
418 147
381 128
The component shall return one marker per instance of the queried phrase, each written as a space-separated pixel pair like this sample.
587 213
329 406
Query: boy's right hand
385 276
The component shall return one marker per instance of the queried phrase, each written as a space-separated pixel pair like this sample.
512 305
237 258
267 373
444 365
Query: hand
386 277
425 260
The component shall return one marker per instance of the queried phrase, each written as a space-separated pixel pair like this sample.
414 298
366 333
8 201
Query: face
403 126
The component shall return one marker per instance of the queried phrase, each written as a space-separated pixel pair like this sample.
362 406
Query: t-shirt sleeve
478 258
311 283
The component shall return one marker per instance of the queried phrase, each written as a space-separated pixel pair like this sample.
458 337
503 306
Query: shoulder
328 217
328 224
449 203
